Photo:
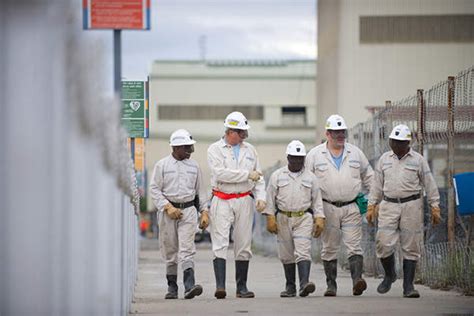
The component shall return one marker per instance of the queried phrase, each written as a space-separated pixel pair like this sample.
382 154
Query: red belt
228 196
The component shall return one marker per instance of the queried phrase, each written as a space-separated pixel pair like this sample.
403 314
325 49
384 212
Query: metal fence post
420 126
450 129
388 110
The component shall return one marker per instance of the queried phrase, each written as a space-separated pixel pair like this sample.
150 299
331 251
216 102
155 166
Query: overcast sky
231 29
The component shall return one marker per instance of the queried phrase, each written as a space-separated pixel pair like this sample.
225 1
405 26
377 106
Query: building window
293 116
207 112
417 29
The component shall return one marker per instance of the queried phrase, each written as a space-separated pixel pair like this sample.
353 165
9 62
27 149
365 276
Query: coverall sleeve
200 192
317 201
220 172
259 189
156 188
309 162
271 195
429 184
366 172
376 189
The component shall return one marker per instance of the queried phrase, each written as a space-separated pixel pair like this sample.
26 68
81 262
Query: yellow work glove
318 226
255 175
261 205
173 212
272 226
204 221
435 215
372 213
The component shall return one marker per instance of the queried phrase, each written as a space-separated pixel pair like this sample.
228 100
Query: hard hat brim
296 155
192 142
336 128
399 138
237 127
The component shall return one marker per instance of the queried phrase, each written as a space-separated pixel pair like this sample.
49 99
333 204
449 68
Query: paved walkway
266 279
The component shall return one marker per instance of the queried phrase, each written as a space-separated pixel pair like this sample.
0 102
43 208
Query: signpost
135 108
135 120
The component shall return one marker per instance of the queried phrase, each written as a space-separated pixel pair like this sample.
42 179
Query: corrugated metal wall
68 236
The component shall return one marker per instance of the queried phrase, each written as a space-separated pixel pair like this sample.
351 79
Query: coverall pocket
306 186
411 174
192 176
283 182
321 170
355 169
388 173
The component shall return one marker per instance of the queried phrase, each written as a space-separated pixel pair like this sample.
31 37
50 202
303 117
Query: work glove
435 215
272 226
204 221
372 213
261 205
318 226
173 212
255 175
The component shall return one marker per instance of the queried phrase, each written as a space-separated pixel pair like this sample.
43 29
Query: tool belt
228 196
182 205
294 213
340 204
402 200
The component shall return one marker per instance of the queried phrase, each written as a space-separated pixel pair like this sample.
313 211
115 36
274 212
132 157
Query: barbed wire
372 136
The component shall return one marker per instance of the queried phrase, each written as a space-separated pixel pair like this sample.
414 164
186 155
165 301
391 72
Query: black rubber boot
388 264
172 287
306 287
330 268
290 276
241 271
356 264
409 267
190 289
219 272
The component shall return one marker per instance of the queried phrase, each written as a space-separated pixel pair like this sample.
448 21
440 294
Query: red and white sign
116 14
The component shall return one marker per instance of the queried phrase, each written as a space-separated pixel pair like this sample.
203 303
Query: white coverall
294 192
179 182
401 178
231 176
343 185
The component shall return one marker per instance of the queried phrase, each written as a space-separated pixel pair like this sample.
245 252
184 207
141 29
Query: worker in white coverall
343 172
237 187
400 176
174 190
295 213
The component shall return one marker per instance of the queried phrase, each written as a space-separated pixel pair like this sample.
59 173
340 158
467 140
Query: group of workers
315 196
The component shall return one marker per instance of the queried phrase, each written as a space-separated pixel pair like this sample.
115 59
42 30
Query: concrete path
266 279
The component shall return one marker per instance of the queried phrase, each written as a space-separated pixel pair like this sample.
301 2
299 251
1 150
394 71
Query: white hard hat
400 132
296 148
181 137
236 120
335 122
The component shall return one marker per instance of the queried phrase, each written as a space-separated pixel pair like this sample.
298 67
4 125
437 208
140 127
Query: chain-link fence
441 119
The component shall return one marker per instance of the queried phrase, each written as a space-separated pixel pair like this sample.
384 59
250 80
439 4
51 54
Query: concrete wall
360 75
184 83
68 237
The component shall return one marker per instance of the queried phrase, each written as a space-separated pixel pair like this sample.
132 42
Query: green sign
135 108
